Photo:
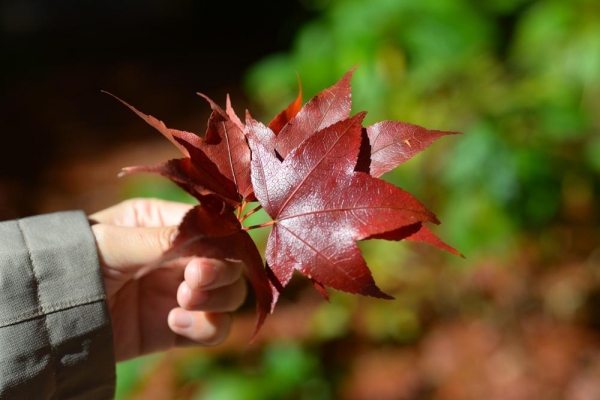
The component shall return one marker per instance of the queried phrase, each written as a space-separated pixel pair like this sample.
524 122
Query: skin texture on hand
187 301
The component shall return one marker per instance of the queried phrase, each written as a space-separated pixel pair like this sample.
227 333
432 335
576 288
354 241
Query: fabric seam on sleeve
41 309
55 308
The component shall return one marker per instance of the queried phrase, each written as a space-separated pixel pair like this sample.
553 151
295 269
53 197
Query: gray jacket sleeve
55 332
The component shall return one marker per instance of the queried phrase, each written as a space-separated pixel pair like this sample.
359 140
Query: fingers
199 327
212 285
211 289
206 273
143 212
223 299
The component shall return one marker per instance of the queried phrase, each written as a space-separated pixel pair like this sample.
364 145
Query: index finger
143 213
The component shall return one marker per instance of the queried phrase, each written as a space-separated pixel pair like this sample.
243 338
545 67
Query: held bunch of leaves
315 170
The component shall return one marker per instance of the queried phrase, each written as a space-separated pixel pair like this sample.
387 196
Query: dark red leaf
426 236
225 145
393 143
320 207
326 108
260 132
232 115
197 179
417 233
321 289
384 146
223 154
290 112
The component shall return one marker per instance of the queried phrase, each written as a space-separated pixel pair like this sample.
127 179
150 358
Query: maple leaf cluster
315 170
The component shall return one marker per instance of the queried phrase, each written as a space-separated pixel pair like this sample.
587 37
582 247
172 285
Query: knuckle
166 237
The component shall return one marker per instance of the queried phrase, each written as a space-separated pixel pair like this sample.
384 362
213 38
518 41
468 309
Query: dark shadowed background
58 55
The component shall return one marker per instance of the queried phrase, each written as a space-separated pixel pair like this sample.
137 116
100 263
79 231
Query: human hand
186 301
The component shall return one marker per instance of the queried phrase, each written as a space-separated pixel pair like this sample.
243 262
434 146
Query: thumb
127 249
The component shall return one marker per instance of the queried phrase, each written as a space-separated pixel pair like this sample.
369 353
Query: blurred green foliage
281 370
286 371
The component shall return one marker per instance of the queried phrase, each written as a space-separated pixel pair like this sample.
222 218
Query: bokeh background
518 192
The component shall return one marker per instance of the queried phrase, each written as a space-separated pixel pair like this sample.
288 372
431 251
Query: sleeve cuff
53 310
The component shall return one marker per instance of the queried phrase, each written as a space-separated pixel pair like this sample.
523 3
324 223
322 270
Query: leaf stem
263 225
249 213
241 209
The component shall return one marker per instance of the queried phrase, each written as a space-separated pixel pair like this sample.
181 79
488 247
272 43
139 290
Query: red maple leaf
316 172
386 145
321 206
329 106
217 164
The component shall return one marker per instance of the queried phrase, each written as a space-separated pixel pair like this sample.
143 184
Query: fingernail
182 319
